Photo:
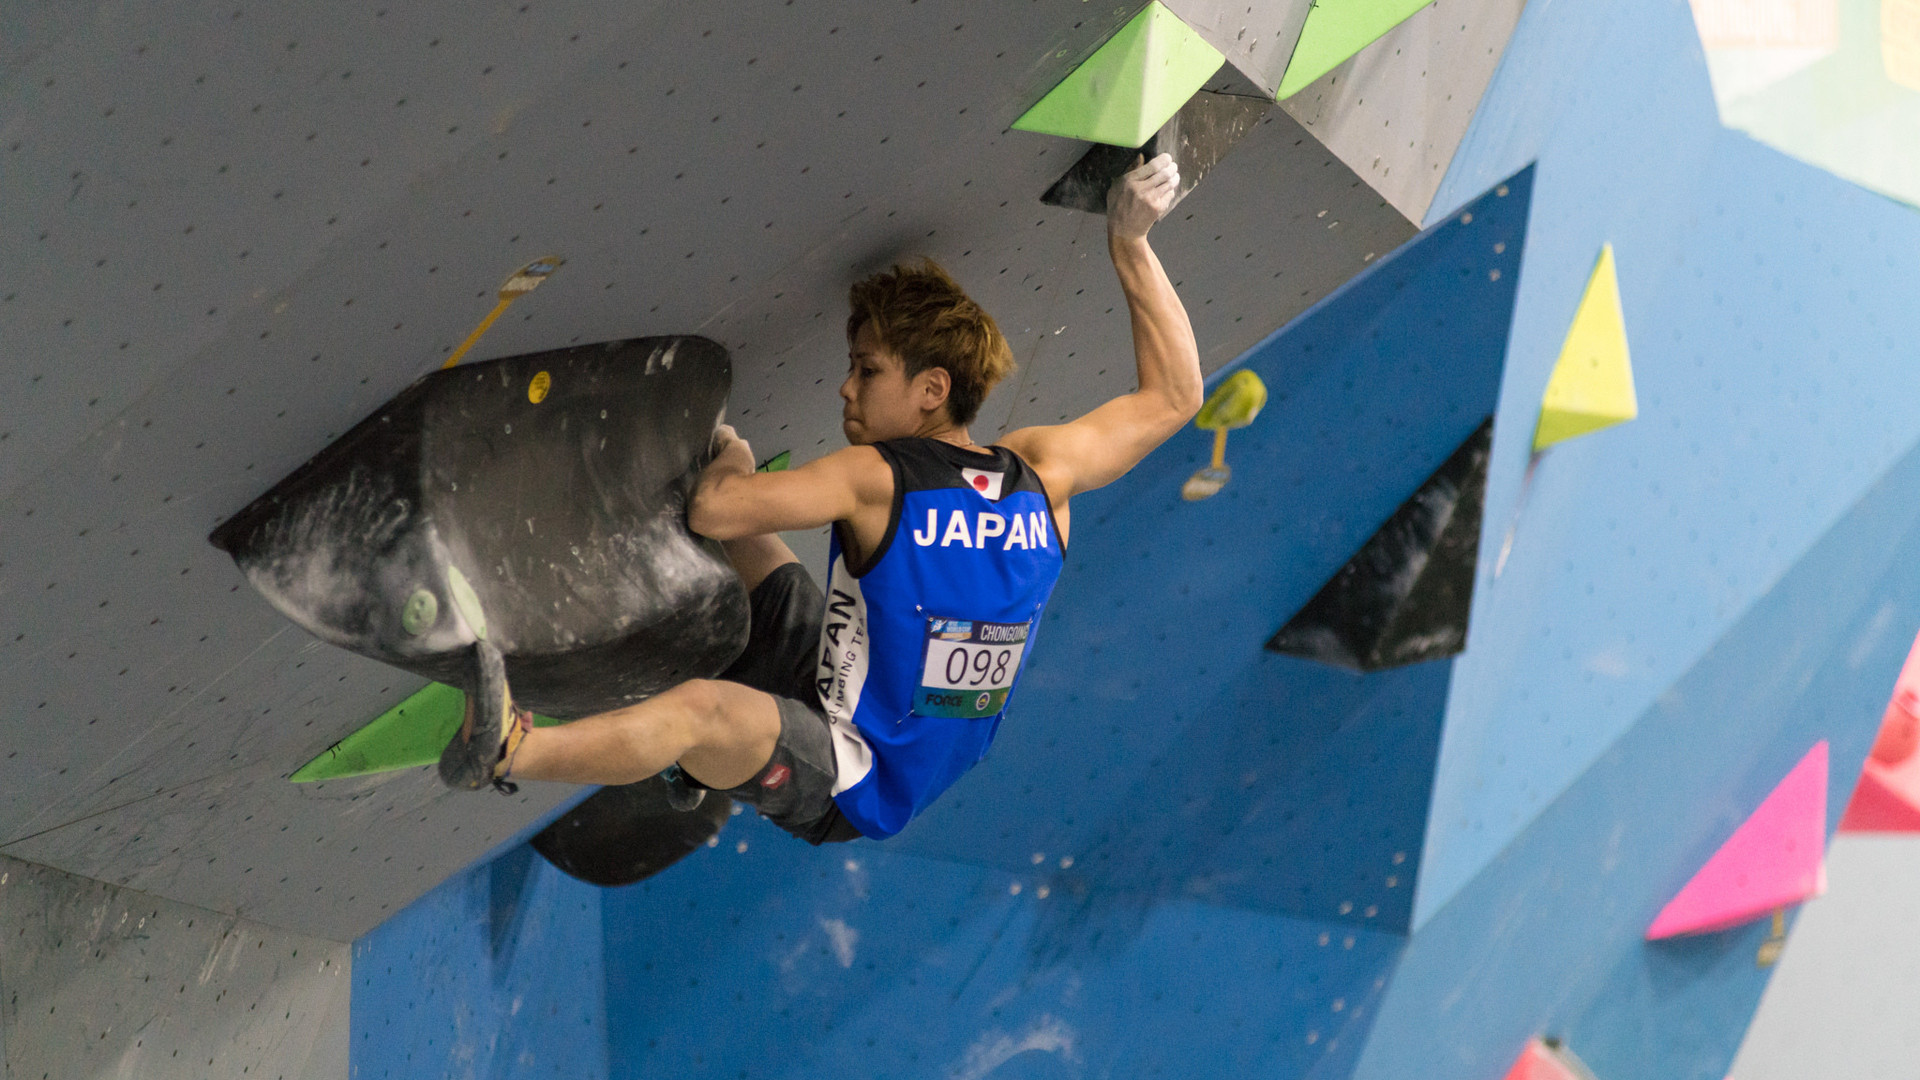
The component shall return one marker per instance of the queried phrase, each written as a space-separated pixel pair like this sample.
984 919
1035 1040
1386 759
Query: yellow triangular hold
1592 383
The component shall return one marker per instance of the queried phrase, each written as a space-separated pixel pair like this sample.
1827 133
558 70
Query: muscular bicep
832 488
1101 446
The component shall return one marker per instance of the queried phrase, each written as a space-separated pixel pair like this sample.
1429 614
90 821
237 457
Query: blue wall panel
1252 814
1547 937
495 974
1187 856
1153 737
1765 306
782 961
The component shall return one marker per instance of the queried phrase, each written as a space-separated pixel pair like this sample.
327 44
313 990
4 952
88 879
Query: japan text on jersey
922 645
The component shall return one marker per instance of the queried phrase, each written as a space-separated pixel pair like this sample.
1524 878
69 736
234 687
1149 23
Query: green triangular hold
779 462
1131 85
1335 30
410 734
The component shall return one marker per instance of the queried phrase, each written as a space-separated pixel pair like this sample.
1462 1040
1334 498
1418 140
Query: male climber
849 713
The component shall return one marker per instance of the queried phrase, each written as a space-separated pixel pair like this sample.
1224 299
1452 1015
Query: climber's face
881 402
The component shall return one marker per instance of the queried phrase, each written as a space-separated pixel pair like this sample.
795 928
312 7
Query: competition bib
970 665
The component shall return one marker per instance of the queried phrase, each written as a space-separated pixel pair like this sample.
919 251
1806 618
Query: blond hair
920 313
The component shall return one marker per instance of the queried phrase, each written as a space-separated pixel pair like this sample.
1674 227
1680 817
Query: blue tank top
922 644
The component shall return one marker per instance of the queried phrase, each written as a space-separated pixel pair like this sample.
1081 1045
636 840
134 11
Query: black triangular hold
1198 137
1406 595
629 832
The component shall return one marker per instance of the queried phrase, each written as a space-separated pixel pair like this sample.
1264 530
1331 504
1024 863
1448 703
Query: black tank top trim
927 464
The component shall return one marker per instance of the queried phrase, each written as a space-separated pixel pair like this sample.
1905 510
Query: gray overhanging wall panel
155 704
34 28
1276 226
1397 110
147 151
1257 39
106 982
169 176
331 1057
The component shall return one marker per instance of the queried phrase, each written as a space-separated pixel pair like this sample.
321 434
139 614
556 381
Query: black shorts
795 790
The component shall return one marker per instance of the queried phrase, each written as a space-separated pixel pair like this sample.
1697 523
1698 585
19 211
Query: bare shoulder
865 473
1031 443
1048 450
1100 447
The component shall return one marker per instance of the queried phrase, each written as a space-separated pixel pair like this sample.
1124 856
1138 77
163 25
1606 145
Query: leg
754 557
721 733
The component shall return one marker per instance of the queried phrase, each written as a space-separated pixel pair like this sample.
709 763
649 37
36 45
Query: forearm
1167 356
711 510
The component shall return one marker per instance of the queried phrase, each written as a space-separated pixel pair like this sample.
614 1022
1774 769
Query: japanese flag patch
986 483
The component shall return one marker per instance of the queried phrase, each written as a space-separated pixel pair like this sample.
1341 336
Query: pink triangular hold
1887 798
1772 860
1541 1062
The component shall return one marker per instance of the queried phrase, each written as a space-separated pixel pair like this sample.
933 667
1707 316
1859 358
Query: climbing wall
1676 523
498 972
1668 613
1369 393
1149 828
240 230
99 981
1690 600
1395 111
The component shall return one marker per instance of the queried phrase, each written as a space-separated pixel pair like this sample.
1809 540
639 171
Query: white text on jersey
1016 530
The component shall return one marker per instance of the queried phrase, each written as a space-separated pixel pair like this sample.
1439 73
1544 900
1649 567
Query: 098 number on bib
970 666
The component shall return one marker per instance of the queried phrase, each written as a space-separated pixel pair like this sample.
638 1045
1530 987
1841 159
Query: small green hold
777 463
420 613
406 736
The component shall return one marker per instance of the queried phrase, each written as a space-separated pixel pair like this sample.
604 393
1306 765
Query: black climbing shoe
681 795
491 729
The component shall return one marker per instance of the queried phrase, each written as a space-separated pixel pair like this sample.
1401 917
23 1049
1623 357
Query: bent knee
724 714
698 697
733 731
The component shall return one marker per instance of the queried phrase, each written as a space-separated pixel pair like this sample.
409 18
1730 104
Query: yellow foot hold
1233 404
1592 383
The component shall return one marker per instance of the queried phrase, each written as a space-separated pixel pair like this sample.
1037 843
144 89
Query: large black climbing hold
1198 137
1406 595
625 833
619 835
538 502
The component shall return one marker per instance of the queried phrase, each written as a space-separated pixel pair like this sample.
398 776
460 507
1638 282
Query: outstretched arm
1101 446
732 501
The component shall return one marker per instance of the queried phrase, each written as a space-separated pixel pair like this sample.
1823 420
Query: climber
849 713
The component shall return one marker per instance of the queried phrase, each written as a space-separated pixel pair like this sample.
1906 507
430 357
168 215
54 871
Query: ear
931 388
